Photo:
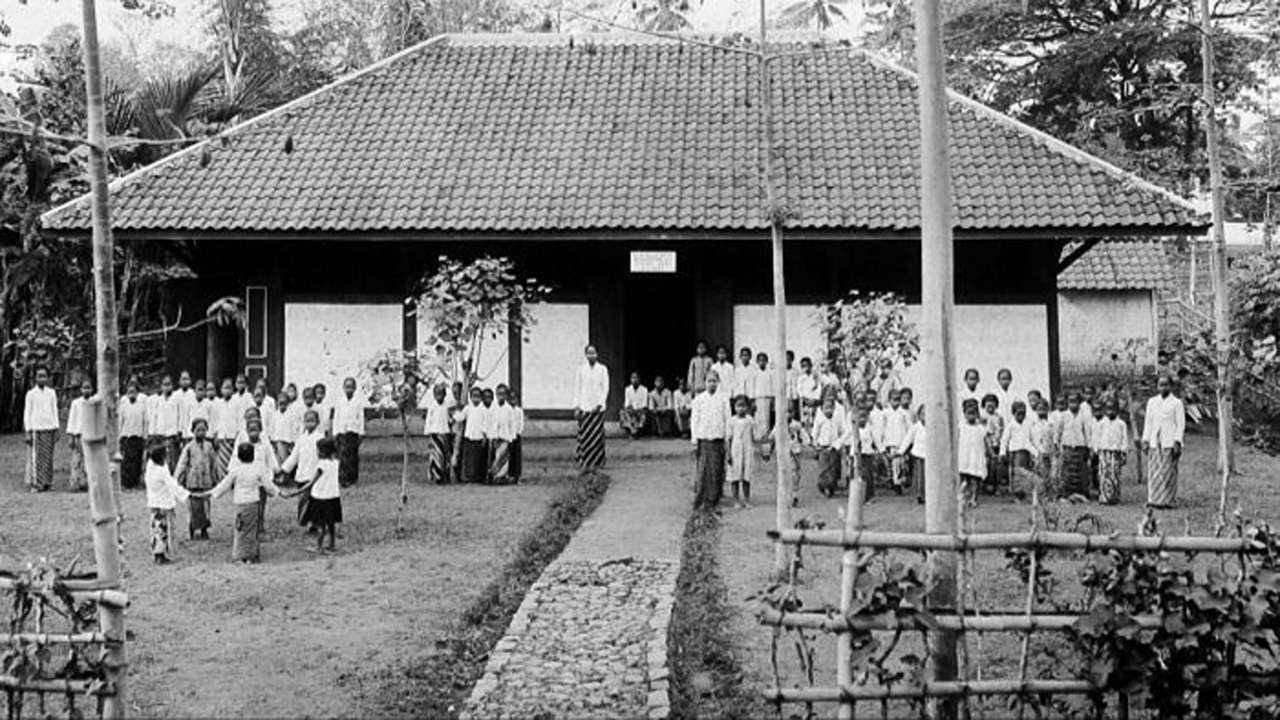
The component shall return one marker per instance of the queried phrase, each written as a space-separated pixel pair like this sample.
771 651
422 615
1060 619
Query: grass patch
706 677
438 685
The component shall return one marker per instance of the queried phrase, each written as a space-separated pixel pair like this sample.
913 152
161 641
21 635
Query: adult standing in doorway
590 395
699 366
1162 432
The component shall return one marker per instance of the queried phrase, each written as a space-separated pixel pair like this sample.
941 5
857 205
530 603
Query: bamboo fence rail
81 591
986 623
85 638
851 693
1011 541
58 687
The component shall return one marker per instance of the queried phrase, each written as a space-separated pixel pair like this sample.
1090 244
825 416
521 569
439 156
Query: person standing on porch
699 366
78 481
661 408
724 371
744 376
348 431
709 432
40 422
762 395
590 396
1162 432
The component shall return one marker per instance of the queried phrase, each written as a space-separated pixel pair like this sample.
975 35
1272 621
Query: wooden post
1218 258
849 578
782 498
937 260
105 516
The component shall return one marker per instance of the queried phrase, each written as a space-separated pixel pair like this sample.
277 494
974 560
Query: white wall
1093 322
327 342
987 337
494 363
549 360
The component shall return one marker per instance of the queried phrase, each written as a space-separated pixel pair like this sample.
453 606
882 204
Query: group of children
477 441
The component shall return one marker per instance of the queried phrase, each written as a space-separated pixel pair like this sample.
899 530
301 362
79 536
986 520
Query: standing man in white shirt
348 431
590 396
40 422
1162 432
709 430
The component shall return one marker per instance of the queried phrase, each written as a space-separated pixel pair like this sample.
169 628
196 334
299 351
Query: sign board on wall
650 261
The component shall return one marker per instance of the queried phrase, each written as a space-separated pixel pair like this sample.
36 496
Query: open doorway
659 322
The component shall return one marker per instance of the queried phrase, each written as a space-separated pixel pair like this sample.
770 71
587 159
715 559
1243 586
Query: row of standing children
475 442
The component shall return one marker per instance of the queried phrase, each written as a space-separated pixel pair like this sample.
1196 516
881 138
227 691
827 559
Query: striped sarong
40 459
245 545
590 452
711 472
439 453
225 448
1162 477
1075 471
499 461
1110 463
78 480
161 532
132 449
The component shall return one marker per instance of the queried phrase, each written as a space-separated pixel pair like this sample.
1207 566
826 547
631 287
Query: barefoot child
75 419
914 444
163 495
247 479
828 434
198 471
304 457
324 509
1112 442
741 455
972 452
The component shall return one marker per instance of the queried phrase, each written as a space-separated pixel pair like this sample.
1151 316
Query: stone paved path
590 638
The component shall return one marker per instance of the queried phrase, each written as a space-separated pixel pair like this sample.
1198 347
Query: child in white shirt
75 421
914 444
471 457
828 438
163 495
741 451
1111 438
324 508
972 452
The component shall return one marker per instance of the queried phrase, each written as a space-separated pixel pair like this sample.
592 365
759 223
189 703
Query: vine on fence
51 646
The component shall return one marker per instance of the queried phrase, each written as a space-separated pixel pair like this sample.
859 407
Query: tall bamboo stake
1218 258
848 579
937 308
783 495
104 446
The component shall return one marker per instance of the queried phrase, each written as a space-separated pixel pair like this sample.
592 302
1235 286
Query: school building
624 172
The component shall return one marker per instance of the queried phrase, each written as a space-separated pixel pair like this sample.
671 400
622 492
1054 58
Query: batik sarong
473 461
1110 462
161 531
711 473
517 460
439 453
225 447
590 453
828 471
499 461
131 452
198 512
1075 471
633 420
348 459
1162 477
172 446
245 544
77 480
262 512
40 459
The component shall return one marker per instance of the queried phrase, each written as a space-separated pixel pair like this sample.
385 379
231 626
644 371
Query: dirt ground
746 560
298 635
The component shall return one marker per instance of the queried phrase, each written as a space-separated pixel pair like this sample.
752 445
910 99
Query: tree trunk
404 469
104 492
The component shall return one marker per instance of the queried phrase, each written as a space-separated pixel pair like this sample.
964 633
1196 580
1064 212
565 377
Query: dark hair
39 367
198 422
968 404
309 413
971 370
906 390
248 425
744 349
723 347
762 355
990 397
1018 405
244 452
326 448
157 454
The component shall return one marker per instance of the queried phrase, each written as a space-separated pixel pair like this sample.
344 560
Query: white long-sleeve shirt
808 388
244 479
971 452
163 492
505 422
224 420
75 417
744 379
288 424
186 405
437 421
762 383
725 372
1077 430
164 415
348 415
591 387
829 432
41 410
897 423
133 417
475 422
1017 437
1165 423
636 397
709 419
1109 434
914 442
304 456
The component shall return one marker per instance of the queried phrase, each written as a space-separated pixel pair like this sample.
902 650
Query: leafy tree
467 305
408 22
864 330
819 14
387 379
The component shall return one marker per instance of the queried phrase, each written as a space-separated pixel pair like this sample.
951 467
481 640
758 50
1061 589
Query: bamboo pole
988 623
930 689
1010 540
937 277
782 497
848 580
74 687
1218 258
86 638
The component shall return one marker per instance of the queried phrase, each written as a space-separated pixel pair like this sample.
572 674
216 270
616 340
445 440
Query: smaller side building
1107 300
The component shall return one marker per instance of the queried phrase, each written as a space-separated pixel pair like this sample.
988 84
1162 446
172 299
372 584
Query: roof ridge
125 179
1048 140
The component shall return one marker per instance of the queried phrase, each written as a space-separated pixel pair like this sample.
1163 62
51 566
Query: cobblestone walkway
590 638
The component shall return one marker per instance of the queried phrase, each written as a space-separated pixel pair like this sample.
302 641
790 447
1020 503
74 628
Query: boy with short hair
662 408
682 401
994 423
1076 441
348 432
166 409
1112 444
828 438
897 422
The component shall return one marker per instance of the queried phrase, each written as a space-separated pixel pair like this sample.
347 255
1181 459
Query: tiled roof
558 133
1117 265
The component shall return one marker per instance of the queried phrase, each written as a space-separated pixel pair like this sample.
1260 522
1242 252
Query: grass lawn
298 635
746 562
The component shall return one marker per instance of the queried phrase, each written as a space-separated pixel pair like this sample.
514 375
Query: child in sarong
287 427
1112 442
75 419
682 399
896 426
741 451
225 426
301 463
502 432
993 421
163 495
324 509
828 437
133 437
471 451
914 445
799 440
1099 409
517 448
197 470
247 479
436 426
868 453
1076 440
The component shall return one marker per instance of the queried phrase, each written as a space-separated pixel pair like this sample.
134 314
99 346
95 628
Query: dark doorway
658 333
